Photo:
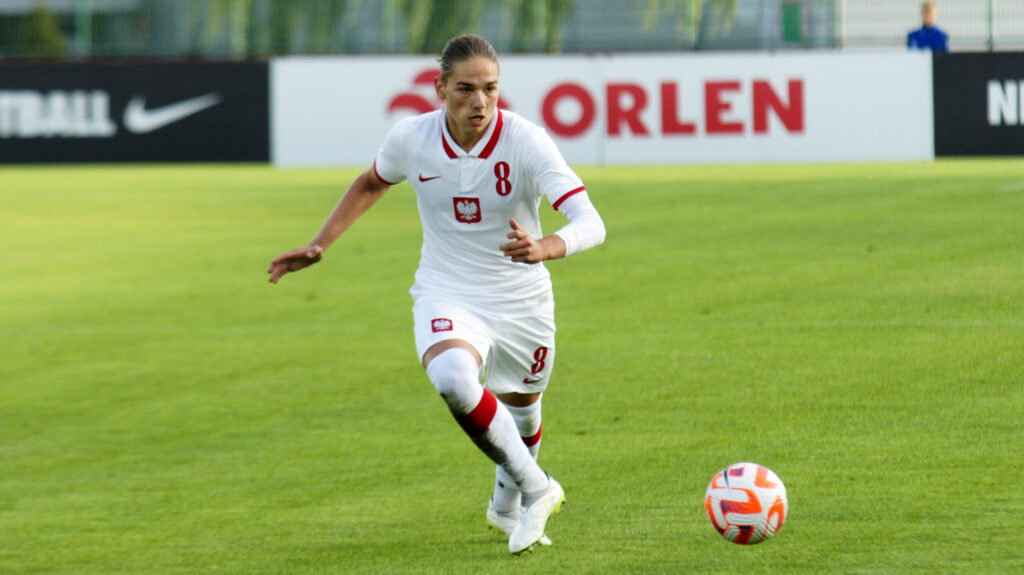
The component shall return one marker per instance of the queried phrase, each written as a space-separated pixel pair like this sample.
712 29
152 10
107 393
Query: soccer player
483 308
928 36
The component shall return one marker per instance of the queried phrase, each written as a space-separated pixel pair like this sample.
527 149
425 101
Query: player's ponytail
462 48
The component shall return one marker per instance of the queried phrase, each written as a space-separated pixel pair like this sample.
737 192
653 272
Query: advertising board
979 104
134 112
629 109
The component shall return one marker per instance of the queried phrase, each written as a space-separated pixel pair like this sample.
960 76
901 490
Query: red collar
491 142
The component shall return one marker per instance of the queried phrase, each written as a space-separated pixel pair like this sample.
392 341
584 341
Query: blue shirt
932 39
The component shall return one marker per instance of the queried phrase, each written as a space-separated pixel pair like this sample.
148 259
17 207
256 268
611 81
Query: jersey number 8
503 186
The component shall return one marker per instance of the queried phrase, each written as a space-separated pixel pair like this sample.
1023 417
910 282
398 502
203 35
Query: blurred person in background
928 36
483 309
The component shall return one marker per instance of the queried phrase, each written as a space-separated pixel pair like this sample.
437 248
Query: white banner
629 109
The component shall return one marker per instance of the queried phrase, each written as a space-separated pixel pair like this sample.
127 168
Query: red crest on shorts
441 324
467 210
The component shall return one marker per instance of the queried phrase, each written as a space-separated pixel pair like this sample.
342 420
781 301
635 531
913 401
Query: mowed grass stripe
855 328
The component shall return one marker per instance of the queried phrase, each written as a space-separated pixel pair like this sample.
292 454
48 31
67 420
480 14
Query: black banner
134 112
979 104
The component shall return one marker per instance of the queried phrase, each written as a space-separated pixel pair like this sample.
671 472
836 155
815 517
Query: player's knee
456 377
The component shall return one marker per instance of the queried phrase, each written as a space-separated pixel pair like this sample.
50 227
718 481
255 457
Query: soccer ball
746 503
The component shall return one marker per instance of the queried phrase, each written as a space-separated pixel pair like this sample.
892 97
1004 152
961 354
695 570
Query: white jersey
466 199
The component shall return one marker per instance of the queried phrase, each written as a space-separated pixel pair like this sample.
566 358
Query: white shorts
518 352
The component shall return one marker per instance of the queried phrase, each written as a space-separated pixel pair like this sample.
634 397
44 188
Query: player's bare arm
363 193
525 248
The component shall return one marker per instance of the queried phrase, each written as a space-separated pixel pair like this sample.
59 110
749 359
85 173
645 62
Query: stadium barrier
602 109
134 112
979 104
624 109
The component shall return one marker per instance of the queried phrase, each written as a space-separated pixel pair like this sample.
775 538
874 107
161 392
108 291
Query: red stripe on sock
533 439
477 422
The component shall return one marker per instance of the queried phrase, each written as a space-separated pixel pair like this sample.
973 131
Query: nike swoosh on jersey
422 179
528 380
142 121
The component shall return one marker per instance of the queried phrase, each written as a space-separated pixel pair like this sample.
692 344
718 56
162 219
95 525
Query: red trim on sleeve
376 173
568 195
494 139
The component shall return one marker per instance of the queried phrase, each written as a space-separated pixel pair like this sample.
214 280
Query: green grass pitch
858 329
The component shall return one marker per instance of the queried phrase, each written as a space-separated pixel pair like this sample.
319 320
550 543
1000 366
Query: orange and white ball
746 503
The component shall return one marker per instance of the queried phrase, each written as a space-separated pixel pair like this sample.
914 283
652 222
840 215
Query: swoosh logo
142 121
422 179
528 380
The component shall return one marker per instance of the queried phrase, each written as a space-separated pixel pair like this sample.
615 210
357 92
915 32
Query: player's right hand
293 261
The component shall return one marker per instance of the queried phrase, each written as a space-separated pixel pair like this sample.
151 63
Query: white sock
506 497
456 376
528 422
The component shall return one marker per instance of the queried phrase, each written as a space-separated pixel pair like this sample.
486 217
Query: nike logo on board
142 121
422 179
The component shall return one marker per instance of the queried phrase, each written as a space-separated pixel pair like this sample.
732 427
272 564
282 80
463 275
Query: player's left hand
523 247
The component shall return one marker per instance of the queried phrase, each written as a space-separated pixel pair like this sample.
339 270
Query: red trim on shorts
568 195
494 139
478 421
376 173
533 439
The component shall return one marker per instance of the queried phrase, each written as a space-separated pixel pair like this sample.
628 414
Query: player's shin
528 421
455 375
